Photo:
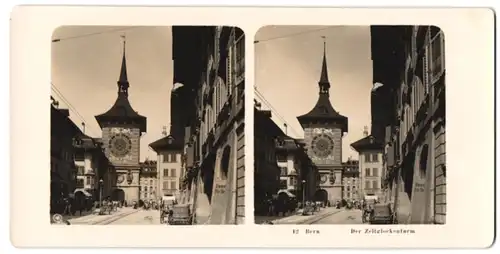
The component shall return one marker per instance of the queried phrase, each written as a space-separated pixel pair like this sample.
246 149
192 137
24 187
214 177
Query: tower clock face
322 145
120 145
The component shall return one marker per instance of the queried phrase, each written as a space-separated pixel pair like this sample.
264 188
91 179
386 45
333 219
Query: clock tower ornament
122 128
324 128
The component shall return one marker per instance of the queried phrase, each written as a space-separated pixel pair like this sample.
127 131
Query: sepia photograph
349 125
147 125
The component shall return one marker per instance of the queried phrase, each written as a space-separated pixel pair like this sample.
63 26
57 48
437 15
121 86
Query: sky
86 65
287 71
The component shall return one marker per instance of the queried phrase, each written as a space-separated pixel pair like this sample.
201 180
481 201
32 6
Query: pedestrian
81 207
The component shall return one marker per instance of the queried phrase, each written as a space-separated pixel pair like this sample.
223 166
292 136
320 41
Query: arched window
424 154
224 167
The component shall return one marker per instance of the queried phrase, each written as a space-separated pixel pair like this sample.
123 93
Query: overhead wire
93 34
58 92
292 35
275 111
259 94
71 107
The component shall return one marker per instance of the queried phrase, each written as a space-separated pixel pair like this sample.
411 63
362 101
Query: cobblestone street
342 217
142 217
95 219
328 215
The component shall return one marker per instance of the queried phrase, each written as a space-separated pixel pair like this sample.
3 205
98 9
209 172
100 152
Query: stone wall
403 208
240 178
440 175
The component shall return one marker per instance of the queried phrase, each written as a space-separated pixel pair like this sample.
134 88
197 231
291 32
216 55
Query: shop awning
287 192
86 193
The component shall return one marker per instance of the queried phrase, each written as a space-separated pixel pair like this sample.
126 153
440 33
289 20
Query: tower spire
123 80
324 83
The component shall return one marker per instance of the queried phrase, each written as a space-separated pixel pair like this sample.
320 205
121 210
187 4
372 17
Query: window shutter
426 70
426 63
228 66
441 40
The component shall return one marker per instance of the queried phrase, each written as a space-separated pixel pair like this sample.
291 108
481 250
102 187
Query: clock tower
324 128
122 128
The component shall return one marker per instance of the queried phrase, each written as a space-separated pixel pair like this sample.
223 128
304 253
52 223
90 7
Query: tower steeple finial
324 83
123 80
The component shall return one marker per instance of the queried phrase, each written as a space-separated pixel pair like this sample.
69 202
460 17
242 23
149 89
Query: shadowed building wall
209 61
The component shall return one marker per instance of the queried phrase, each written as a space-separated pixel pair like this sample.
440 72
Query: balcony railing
225 112
423 110
209 143
239 67
437 57
439 87
239 70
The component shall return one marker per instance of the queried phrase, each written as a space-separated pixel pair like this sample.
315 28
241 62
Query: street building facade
370 152
267 173
63 170
324 128
92 166
298 174
169 152
80 171
148 181
415 182
351 180
209 62
288 163
281 163
122 128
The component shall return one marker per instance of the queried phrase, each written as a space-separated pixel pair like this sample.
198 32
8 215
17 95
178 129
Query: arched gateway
321 195
118 195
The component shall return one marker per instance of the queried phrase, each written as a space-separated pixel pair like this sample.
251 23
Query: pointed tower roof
123 80
323 111
323 80
122 111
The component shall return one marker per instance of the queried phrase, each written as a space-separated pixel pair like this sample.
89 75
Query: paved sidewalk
262 219
345 216
72 217
304 219
259 219
94 219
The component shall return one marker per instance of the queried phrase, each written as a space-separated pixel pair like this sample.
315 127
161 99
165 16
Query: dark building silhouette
409 119
207 115
388 61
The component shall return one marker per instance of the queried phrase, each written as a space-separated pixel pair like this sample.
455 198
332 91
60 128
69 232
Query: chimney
365 131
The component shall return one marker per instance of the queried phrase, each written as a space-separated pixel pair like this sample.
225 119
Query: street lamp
100 191
303 193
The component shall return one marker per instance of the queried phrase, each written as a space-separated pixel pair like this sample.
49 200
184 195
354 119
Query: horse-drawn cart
166 208
180 215
309 208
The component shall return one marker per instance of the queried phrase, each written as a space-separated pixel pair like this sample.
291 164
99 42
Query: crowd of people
70 205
